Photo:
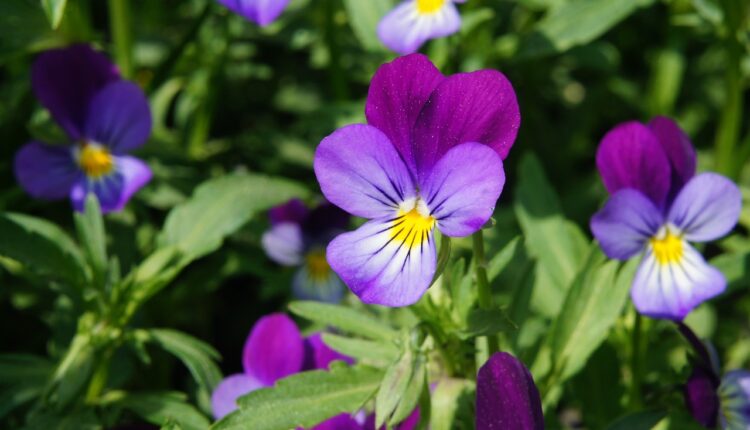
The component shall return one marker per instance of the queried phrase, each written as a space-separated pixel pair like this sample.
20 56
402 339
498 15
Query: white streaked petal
283 243
671 289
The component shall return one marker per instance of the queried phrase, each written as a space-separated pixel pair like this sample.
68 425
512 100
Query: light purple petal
339 422
404 29
310 284
672 290
630 156
224 398
507 397
293 211
283 243
468 107
463 187
65 80
360 171
734 393
115 189
262 12
119 117
707 208
626 223
46 171
678 148
318 355
701 398
379 267
275 349
398 92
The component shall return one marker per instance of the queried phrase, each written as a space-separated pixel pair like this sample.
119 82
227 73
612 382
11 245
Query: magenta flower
507 397
657 207
414 22
431 157
298 237
261 12
274 349
104 118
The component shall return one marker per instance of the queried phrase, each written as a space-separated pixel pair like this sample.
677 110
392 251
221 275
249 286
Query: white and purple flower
414 22
261 12
430 158
104 118
657 206
298 237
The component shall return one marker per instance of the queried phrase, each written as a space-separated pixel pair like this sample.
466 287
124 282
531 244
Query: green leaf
414 389
26 22
736 268
485 322
54 9
164 408
443 257
360 349
24 368
74 371
219 207
305 399
394 385
364 17
345 319
42 247
453 405
90 227
644 420
198 356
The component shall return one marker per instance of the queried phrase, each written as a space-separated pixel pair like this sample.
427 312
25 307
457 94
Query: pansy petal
361 172
410 423
734 393
467 107
625 223
46 171
318 355
707 208
672 289
630 156
404 29
701 398
275 349
119 117
507 397
323 220
293 211
113 190
679 150
224 398
339 422
384 262
65 80
261 12
463 187
310 284
398 92
283 243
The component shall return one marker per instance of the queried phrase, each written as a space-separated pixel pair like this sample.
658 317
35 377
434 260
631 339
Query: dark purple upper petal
46 171
318 355
468 107
324 220
506 396
410 423
339 422
701 398
292 211
65 80
630 156
679 150
275 349
398 92
262 12
119 117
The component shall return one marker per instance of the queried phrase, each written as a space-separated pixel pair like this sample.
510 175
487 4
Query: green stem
730 123
119 22
99 379
635 364
484 293
336 72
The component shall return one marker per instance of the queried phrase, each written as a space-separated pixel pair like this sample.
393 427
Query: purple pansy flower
298 237
507 397
734 398
658 205
414 22
274 349
261 12
430 157
104 118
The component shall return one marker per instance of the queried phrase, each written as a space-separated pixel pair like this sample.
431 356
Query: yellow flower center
317 265
667 248
95 160
412 228
429 6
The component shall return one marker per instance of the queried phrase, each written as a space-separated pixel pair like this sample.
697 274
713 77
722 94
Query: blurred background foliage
230 97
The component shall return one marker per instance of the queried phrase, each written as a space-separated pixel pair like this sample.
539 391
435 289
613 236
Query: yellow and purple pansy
414 22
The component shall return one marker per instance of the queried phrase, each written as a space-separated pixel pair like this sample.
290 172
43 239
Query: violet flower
261 12
507 397
414 22
430 158
657 207
734 398
104 118
274 349
298 237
